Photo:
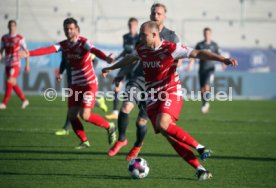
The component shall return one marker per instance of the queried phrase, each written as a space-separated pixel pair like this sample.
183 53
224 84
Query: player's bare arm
27 67
127 60
206 55
27 59
109 59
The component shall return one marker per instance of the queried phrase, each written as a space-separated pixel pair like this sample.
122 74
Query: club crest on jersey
152 64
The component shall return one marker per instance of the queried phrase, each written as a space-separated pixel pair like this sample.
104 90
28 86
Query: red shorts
172 106
83 96
12 71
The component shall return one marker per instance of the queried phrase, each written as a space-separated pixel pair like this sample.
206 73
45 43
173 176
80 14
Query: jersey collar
156 48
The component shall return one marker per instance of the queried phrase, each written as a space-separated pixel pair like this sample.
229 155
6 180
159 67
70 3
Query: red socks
78 129
98 120
94 118
19 92
180 135
185 152
7 93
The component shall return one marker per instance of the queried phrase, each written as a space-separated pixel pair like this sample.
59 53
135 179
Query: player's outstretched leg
166 123
182 136
101 122
141 131
171 129
185 152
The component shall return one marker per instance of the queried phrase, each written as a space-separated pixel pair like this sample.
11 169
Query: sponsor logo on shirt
152 64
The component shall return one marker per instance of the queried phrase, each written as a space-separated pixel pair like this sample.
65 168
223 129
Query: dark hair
206 29
158 5
131 19
70 21
11 21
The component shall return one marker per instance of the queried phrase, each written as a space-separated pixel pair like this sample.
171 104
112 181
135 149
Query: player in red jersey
11 44
77 51
158 14
164 90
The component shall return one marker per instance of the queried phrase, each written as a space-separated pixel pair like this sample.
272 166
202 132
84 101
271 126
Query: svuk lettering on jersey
74 56
152 64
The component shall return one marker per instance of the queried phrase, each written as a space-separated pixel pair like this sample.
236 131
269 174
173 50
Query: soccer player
136 85
11 44
164 90
129 41
158 14
77 51
64 66
100 103
206 68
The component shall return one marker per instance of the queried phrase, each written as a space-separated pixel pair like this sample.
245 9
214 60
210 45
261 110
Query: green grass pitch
242 135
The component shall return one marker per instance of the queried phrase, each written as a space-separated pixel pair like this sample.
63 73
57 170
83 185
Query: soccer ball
138 168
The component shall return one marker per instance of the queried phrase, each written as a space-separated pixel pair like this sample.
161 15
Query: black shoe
203 175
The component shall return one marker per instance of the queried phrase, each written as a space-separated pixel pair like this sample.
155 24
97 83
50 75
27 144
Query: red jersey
159 67
78 56
12 44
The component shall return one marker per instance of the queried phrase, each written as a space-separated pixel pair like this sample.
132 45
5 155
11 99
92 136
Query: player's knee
205 88
117 89
85 116
127 107
163 123
12 80
141 121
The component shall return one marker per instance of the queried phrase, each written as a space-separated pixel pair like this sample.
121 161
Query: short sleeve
181 51
57 46
175 38
23 43
88 45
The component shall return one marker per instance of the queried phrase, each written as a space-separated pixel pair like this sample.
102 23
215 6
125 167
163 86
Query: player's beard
71 36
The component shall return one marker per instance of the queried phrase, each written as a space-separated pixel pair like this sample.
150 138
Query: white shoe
2 106
205 108
25 104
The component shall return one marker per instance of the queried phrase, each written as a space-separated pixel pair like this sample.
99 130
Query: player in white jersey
11 44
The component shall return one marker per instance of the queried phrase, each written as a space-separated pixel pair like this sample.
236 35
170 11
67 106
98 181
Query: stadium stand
234 25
